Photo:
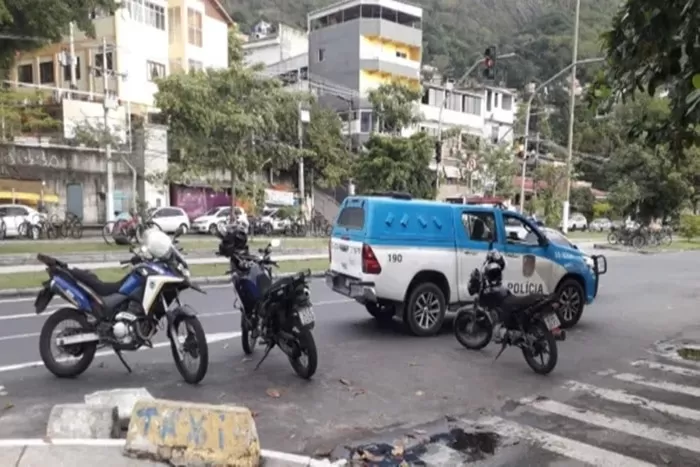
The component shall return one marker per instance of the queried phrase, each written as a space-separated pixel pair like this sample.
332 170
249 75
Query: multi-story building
359 45
146 39
269 45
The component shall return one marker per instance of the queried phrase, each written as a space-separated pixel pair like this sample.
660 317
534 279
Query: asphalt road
372 379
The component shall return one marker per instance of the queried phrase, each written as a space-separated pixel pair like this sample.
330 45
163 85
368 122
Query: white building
146 40
270 45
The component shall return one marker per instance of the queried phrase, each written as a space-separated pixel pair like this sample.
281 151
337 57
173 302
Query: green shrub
689 226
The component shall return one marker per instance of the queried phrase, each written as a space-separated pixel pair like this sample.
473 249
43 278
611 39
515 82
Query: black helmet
494 274
234 239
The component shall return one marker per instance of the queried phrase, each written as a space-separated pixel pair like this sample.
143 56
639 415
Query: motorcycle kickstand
121 359
267 352
503 347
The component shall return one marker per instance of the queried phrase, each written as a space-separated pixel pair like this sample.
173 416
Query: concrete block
189 434
82 421
123 399
78 456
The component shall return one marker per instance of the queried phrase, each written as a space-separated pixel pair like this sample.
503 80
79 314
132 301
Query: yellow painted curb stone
189 434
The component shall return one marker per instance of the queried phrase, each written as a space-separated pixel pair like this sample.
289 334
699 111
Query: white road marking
622 425
658 384
624 397
559 445
212 338
19 336
53 308
679 370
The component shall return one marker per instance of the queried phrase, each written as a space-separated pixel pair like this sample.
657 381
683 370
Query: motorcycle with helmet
528 322
274 312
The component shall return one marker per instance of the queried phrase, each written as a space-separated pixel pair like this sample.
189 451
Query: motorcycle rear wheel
542 336
307 346
247 340
480 333
84 352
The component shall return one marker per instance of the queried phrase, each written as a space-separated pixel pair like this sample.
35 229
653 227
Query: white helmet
157 243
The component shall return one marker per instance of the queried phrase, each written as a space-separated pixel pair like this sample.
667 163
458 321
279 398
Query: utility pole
72 60
304 117
572 104
109 205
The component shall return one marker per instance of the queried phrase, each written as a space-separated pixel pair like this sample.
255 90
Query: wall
91 114
214 50
156 193
341 45
60 166
137 44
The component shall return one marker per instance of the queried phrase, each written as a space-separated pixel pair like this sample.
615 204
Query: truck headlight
589 262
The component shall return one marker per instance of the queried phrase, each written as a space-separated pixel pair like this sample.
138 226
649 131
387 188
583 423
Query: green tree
29 25
549 197
224 120
582 200
397 164
394 107
496 169
235 45
328 158
623 197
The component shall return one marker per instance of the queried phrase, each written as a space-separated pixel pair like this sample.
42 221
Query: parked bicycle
46 227
29 228
126 230
319 226
70 226
296 228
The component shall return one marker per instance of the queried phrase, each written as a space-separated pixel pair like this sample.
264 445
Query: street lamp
529 106
572 104
304 117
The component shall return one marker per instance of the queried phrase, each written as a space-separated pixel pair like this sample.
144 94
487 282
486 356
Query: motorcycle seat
95 283
522 302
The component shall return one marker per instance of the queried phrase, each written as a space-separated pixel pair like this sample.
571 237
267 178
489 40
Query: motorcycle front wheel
247 340
543 354
472 329
305 360
193 344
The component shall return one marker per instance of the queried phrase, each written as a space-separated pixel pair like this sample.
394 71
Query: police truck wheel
571 303
425 311
384 313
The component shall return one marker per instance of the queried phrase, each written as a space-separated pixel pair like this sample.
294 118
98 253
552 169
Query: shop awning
19 196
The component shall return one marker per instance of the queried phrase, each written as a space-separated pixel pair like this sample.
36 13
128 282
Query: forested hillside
457 31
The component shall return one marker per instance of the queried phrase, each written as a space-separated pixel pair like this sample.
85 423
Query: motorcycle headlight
185 272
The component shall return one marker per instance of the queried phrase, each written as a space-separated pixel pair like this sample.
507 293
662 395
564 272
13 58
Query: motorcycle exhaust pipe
77 339
560 335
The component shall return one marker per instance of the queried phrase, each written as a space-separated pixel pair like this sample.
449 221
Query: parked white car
209 221
577 221
599 225
14 215
170 218
271 216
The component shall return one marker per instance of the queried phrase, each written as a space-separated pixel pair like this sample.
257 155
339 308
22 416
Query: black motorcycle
273 312
529 322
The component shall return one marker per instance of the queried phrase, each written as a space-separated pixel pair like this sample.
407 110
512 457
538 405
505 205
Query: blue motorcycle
124 315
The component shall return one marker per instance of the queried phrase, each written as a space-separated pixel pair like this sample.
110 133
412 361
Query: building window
321 54
472 105
495 134
351 13
489 96
194 27
507 102
99 63
365 122
66 70
401 54
408 20
174 25
46 72
155 70
195 65
154 15
390 15
25 73
136 10
371 11
426 96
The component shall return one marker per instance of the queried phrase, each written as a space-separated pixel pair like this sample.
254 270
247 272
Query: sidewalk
91 453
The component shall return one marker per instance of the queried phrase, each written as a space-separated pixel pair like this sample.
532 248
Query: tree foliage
24 113
394 107
582 200
394 163
31 24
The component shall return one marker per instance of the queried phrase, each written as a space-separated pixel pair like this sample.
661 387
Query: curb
630 250
210 280
267 456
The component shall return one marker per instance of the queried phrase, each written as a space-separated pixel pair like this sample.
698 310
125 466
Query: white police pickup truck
412 259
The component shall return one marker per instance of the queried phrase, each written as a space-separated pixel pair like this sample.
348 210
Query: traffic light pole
528 111
479 62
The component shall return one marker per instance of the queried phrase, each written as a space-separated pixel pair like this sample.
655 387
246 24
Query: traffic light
438 151
490 62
